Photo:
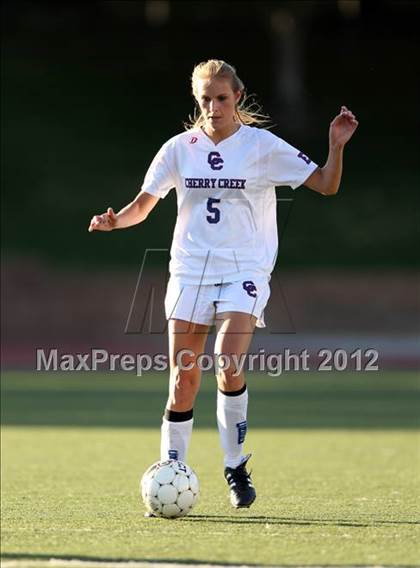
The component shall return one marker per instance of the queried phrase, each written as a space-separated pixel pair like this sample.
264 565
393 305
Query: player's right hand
105 222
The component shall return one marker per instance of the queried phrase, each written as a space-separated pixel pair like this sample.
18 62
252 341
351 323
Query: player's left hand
342 127
105 222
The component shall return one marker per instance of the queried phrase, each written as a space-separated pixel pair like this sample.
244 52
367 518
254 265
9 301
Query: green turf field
335 463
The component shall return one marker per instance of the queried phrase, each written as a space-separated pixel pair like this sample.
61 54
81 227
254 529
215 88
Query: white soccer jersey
226 228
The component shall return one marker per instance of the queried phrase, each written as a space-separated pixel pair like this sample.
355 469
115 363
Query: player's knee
229 378
183 385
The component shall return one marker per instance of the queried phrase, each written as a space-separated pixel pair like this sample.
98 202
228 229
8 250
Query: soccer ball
169 489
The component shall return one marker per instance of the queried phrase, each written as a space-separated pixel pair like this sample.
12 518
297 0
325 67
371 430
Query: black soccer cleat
242 492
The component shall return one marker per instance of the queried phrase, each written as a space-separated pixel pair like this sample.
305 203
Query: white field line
60 563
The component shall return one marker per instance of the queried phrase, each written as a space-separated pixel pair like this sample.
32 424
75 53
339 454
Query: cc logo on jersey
250 288
215 161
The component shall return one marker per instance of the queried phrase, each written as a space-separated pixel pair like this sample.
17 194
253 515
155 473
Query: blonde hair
247 111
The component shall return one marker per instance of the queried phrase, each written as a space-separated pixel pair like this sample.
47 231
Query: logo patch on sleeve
304 157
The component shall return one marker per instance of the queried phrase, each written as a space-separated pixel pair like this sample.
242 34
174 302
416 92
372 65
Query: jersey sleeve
287 165
160 178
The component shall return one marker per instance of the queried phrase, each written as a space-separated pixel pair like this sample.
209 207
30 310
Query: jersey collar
225 140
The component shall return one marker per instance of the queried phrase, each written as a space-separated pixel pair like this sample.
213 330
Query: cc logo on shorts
250 288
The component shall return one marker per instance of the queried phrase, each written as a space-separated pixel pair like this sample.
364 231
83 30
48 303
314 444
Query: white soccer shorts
201 304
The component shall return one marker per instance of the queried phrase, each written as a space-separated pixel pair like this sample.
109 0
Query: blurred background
90 91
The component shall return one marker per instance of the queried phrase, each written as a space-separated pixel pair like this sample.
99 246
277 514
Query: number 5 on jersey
214 216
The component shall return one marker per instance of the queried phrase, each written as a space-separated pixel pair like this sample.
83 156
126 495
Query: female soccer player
224 248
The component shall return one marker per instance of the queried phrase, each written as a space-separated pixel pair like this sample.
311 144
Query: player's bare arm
326 180
132 214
